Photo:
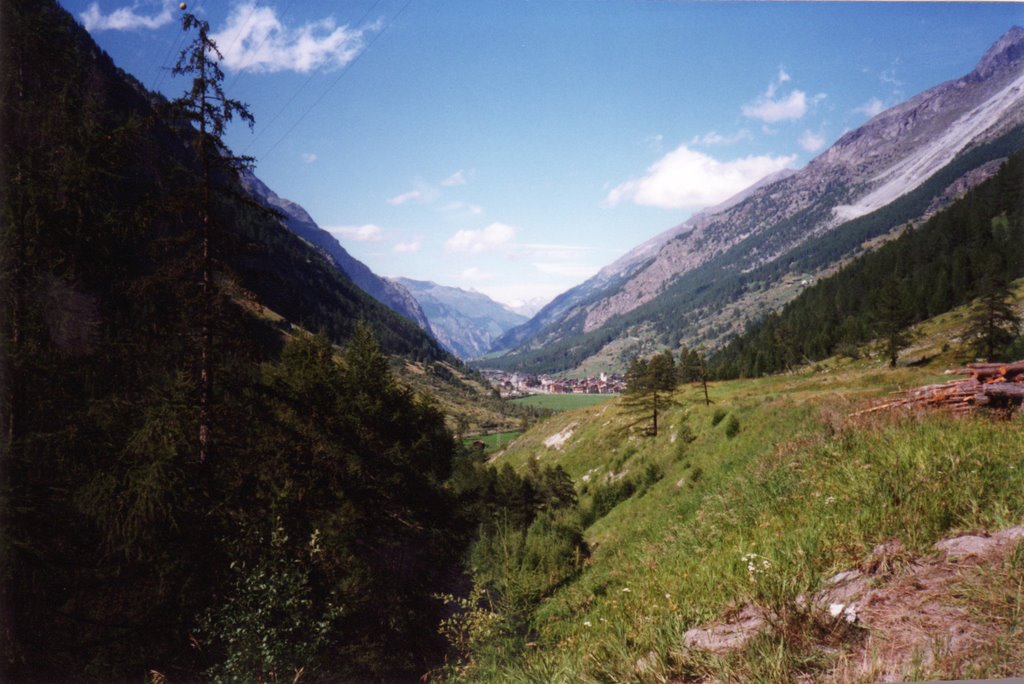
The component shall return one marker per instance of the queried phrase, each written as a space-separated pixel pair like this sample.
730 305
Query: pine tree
206 108
649 388
892 317
993 323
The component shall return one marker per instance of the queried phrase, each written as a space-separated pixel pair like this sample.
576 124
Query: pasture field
563 402
494 441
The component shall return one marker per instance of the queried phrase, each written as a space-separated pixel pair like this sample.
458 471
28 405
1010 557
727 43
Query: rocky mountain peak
1004 52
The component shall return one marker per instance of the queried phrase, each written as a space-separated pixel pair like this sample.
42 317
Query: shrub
732 427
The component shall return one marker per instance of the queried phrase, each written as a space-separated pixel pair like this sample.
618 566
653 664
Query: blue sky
515 148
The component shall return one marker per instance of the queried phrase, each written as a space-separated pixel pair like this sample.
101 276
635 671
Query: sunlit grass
800 485
563 402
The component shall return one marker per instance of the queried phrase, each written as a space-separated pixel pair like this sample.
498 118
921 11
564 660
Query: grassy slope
454 391
562 402
804 487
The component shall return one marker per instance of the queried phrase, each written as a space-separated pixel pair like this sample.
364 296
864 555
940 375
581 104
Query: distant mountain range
702 281
466 323
298 220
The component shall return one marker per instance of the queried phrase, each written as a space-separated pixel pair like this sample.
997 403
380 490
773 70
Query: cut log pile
991 386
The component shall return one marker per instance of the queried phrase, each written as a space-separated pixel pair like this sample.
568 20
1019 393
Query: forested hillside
975 248
192 484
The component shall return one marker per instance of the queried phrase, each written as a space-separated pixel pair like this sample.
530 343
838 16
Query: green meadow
778 470
563 402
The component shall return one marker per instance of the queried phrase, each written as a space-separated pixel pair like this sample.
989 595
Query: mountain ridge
866 170
464 322
297 220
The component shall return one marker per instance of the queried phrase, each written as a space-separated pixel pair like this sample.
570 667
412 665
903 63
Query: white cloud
476 241
812 142
568 270
889 76
548 252
411 196
408 247
770 110
687 179
126 18
476 274
715 138
366 233
872 107
457 178
463 208
254 39
308 157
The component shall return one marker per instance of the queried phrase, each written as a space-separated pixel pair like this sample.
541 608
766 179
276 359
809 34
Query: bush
271 625
732 427
606 497
717 416
651 475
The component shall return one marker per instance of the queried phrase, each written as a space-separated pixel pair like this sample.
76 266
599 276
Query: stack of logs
991 385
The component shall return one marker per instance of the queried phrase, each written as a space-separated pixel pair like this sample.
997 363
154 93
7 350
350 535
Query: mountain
703 281
529 308
620 270
972 249
466 323
172 429
298 220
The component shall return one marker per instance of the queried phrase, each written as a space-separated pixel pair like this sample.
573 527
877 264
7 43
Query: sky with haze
516 147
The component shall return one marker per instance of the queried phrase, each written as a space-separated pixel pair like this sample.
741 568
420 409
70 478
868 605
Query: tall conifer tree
206 107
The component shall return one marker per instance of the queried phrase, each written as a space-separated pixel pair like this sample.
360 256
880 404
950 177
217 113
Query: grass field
797 485
563 402
495 441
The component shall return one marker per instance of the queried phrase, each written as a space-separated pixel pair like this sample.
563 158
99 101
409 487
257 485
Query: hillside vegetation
752 504
973 248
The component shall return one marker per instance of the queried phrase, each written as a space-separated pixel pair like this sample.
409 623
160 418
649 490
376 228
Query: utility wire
341 75
172 53
291 99
238 74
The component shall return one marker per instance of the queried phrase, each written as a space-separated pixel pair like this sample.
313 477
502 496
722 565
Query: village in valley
513 385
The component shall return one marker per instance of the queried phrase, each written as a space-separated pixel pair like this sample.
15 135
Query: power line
238 74
173 51
341 75
302 87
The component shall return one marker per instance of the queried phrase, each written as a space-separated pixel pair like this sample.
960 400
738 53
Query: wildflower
586 623
625 590
830 500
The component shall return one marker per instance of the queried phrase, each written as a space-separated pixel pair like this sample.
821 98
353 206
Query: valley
242 444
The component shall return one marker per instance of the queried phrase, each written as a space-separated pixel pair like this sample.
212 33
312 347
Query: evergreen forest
210 471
